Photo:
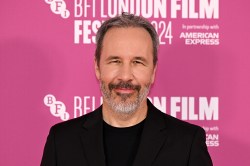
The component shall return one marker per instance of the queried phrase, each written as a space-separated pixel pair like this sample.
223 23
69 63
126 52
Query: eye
138 62
115 61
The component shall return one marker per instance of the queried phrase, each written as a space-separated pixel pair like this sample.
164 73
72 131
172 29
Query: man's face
126 68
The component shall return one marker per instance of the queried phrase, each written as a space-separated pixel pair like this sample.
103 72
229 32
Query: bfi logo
57 108
58 7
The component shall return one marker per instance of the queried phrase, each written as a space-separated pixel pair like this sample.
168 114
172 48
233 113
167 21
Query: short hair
126 20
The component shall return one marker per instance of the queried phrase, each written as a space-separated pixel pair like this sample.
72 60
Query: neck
116 119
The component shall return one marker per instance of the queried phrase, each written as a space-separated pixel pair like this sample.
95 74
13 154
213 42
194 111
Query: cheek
107 74
143 77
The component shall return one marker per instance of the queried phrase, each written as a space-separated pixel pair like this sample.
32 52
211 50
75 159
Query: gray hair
126 20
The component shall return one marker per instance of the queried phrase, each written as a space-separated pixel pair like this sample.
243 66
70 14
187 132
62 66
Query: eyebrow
135 58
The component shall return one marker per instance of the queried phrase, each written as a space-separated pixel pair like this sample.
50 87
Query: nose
126 72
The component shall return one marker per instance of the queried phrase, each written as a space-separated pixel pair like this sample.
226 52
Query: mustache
125 85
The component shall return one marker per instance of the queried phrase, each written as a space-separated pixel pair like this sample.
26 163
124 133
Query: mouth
124 88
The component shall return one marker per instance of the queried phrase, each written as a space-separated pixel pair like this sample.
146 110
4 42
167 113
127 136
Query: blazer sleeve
199 155
49 153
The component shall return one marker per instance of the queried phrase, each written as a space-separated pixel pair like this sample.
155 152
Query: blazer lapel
92 139
152 139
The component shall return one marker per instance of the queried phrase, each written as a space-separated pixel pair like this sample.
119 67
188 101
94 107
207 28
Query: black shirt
121 144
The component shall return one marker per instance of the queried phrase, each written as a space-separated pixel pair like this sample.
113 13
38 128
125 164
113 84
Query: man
127 130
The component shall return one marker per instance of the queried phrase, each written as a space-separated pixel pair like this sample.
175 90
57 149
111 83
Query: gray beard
124 106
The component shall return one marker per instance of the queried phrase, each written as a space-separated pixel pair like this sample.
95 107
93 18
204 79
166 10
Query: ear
153 74
97 70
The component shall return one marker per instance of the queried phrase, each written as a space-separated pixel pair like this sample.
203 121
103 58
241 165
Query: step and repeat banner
47 69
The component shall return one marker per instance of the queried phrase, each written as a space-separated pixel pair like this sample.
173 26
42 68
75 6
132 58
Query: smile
124 90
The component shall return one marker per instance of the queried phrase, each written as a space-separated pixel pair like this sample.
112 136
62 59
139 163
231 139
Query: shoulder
181 127
174 125
180 133
74 125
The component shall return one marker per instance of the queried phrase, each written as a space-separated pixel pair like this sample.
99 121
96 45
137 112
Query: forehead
125 33
128 39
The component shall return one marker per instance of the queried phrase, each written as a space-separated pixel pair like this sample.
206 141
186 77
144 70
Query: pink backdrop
39 56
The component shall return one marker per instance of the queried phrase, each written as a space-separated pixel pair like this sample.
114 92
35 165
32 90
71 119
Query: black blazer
165 141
